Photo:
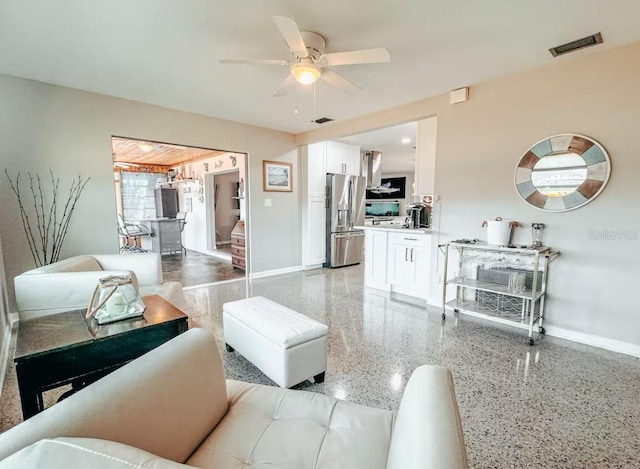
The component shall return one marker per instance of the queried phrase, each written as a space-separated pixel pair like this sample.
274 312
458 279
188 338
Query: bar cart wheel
542 330
531 341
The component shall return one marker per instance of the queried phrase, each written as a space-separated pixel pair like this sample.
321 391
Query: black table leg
30 397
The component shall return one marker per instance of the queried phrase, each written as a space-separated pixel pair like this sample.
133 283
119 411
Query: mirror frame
593 154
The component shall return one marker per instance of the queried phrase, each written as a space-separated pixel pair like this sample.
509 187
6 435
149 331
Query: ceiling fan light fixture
305 72
145 147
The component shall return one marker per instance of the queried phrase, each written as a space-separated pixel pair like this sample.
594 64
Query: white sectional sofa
172 406
68 284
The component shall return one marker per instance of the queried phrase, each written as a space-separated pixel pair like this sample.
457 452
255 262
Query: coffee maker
417 216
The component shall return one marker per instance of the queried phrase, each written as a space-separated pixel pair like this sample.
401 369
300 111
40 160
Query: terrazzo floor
554 405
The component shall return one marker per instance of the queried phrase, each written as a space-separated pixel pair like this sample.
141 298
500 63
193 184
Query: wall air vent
322 120
576 45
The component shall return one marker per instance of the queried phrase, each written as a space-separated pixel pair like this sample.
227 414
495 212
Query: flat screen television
390 189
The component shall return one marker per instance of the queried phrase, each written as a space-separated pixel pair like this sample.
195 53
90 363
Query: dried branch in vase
45 235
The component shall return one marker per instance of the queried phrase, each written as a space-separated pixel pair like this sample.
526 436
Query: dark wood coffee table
63 348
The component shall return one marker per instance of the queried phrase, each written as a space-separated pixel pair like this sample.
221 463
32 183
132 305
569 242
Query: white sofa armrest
428 431
147 266
165 402
41 294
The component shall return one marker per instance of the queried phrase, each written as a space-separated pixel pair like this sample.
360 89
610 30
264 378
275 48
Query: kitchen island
397 260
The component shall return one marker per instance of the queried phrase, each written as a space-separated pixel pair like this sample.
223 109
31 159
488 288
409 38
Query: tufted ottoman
285 345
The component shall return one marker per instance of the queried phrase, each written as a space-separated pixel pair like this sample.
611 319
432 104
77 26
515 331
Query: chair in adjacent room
132 234
182 218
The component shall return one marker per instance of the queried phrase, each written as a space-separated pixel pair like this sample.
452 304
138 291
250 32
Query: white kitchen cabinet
375 259
409 261
342 158
426 156
321 158
316 237
398 261
316 170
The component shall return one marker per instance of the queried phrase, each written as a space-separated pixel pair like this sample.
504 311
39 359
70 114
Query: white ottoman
285 345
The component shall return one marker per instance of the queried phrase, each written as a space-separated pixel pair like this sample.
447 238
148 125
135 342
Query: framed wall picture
276 177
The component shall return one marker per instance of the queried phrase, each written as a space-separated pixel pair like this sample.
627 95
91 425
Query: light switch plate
267 202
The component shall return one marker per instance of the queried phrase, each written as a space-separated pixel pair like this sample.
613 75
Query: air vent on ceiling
577 44
322 120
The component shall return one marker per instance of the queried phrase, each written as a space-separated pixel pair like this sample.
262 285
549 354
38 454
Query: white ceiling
397 157
165 52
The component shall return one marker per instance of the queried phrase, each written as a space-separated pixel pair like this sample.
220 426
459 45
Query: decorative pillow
63 453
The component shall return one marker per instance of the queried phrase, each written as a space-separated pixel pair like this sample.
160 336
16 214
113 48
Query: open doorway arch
188 174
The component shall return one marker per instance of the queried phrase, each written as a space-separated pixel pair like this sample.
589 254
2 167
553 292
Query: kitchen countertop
394 228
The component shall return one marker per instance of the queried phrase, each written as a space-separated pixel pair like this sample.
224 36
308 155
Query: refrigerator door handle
351 204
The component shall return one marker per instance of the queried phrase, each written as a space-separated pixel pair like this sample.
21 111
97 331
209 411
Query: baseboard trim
212 284
613 345
606 343
269 273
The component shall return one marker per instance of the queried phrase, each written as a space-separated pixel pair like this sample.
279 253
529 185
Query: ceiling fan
310 62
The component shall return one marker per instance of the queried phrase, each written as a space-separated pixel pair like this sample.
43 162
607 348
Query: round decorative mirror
562 172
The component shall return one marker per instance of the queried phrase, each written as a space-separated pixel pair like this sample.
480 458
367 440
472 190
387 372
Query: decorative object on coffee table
46 234
115 299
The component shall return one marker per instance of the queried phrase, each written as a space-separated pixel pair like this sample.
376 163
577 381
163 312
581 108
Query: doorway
203 186
223 209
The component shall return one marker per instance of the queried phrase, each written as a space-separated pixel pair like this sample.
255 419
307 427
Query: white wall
196 231
43 126
591 291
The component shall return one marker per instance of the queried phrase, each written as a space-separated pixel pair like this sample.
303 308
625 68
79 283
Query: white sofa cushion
271 428
277 323
72 264
165 402
63 453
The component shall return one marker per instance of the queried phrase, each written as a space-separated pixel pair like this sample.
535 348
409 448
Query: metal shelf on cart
493 288
472 308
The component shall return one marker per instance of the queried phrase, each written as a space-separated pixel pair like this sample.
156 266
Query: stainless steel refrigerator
345 211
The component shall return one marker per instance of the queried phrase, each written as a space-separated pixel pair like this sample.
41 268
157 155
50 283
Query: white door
419 258
375 259
317 235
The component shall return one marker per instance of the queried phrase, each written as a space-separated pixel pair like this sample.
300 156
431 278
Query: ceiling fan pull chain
295 111
314 101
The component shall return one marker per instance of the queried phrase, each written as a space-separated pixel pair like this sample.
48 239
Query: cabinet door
375 259
351 159
426 156
420 262
317 236
342 158
316 179
401 269
335 158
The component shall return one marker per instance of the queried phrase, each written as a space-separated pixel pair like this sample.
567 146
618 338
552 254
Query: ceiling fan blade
254 61
284 87
334 78
365 56
291 33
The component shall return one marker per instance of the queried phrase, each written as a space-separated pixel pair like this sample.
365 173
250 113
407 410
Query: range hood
371 163
371 168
